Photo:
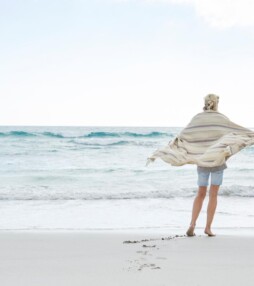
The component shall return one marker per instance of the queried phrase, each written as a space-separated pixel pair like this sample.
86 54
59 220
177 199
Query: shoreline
220 231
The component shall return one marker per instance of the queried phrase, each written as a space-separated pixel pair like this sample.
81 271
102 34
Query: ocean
95 178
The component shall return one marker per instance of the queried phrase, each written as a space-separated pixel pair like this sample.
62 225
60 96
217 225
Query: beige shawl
208 141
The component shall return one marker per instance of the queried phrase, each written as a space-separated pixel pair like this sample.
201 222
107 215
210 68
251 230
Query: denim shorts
216 177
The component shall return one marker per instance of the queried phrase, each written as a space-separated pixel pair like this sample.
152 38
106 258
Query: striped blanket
208 141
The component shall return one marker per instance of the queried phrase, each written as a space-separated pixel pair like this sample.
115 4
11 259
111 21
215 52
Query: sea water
95 178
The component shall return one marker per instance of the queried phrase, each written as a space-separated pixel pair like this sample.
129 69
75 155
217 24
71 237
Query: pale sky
124 62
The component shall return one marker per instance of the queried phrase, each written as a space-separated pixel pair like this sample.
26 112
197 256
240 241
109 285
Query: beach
124 258
108 109
79 207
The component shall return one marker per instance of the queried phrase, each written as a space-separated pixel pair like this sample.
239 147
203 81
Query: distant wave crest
117 143
98 134
51 134
16 134
126 134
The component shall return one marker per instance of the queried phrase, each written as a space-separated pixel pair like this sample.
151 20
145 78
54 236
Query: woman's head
211 102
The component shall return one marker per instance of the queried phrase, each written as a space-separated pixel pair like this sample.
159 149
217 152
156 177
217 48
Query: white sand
101 258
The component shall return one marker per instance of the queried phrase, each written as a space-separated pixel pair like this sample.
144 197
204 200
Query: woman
216 173
208 141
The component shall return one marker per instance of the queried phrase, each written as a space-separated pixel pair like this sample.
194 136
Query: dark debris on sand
153 239
135 264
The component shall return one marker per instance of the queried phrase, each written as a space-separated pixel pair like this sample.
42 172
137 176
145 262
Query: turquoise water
95 178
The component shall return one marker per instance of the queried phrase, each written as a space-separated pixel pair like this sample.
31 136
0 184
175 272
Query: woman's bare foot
208 232
190 231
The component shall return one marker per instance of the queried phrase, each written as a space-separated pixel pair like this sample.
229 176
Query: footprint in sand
144 245
142 252
151 266
162 258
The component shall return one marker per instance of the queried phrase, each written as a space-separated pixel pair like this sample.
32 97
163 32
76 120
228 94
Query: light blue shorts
216 177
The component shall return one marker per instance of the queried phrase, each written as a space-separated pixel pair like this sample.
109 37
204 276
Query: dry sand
120 258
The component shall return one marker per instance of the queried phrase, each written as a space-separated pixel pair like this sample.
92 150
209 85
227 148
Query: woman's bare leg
197 206
211 207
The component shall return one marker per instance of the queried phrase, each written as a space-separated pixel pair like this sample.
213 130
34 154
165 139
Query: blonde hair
211 102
